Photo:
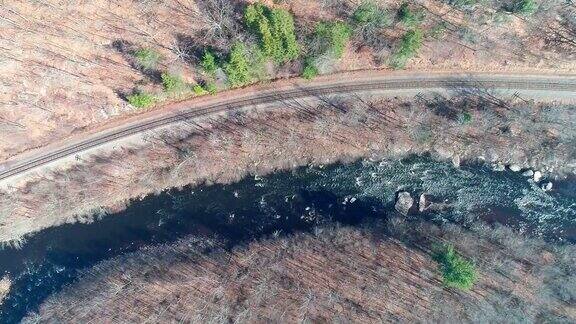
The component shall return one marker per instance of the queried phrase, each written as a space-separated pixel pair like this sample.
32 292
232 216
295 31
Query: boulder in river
498 167
547 186
5 284
528 173
537 176
422 203
514 167
426 203
456 161
403 202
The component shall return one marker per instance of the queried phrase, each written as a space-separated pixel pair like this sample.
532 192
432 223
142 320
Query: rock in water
456 161
422 203
514 167
5 285
547 186
403 202
537 176
498 167
528 173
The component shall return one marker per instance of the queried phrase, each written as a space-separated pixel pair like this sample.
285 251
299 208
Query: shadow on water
278 204
240 212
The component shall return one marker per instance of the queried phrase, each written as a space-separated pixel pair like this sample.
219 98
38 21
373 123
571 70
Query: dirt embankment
65 67
295 133
382 273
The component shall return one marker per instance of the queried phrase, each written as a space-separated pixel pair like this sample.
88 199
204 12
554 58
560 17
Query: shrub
366 12
408 17
456 271
283 26
141 99
462 3
333 36
465 118
256 18
310 70
211 88
369 19
524 7
421 133
172 82
468 35
500 17
438 31
275 29
237 67
409 46
199 90
257 61
147 58
208 62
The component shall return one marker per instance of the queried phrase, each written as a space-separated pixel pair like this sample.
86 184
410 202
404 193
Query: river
282 203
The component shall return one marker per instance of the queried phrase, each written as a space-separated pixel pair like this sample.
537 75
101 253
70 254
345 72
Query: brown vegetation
320 131
66 66
337 274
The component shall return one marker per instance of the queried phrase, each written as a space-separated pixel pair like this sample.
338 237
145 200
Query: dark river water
282 203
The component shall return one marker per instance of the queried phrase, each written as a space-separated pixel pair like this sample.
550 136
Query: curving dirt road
545 87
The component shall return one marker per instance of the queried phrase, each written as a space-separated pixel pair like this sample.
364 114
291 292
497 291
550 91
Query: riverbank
289 202
224 149
382 272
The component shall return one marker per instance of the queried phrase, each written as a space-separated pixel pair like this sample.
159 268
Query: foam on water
470 190
281 203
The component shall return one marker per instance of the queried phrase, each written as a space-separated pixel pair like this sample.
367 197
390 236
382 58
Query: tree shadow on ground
128 51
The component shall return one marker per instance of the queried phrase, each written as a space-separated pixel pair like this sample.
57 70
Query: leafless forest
226 148
383 272
65 66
